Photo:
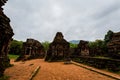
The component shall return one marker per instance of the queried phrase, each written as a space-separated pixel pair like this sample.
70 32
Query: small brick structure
58 49
6 34
82 48
31 49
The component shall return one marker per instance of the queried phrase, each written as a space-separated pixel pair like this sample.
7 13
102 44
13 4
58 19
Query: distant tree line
101 44
16 46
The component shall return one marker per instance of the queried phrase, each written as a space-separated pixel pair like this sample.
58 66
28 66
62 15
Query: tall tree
46 45
108 36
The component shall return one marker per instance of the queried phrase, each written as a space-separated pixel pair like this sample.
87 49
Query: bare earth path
51 71
60 71
22 70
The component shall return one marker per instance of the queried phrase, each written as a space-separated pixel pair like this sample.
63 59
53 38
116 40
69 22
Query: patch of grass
118 52
118 72
11 56
102 57
4 78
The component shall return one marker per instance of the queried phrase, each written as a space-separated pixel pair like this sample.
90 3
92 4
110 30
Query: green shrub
15 47
11 56
4 78
46 45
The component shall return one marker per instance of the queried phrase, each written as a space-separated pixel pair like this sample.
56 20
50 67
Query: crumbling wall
6 34
114 45
31 49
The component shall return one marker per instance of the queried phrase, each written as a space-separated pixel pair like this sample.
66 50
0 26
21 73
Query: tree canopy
46 45
15 47
108 36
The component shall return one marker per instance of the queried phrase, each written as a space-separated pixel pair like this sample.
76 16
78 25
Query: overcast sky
76 19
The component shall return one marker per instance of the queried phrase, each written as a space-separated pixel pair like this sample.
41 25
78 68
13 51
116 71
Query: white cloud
77 19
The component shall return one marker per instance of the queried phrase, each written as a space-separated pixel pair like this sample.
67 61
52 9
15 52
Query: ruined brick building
114 45
82 48
32 49
6 34
58 49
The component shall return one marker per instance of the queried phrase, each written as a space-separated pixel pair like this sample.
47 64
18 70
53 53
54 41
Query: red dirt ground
51 71
22 70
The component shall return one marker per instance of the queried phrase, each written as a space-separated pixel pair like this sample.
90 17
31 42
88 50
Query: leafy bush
46 45
15 47
73 45
11 56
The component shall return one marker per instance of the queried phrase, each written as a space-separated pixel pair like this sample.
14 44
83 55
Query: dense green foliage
97 43
73 45
11 56
98 48
46 45
101 43
15 47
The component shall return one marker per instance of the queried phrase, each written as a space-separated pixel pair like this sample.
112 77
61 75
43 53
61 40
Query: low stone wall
101 63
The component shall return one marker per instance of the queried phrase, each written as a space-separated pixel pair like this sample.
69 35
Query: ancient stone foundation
6 34
31 49
58 49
